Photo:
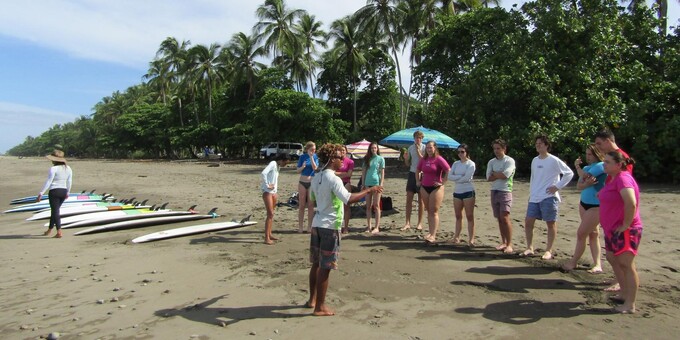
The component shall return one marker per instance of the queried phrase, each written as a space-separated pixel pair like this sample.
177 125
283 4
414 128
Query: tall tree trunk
402 121
311 74
354 82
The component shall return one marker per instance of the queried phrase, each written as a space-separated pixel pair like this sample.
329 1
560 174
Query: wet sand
228 284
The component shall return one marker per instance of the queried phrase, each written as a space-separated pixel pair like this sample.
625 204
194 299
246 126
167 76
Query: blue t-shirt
308 170
376 164
589 194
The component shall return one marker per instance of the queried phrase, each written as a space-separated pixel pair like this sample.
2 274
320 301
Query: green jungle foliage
556 67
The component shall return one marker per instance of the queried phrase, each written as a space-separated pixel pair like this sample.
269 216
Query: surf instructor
330 195
58 183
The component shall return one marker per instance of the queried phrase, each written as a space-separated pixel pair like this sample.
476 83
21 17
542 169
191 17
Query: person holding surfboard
270 182
58 183
329 194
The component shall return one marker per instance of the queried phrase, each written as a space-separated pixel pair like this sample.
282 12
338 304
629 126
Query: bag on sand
385 203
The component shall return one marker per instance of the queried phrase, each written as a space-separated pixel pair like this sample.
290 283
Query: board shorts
464 195
619 243
501 201
545 210
324 246
411 183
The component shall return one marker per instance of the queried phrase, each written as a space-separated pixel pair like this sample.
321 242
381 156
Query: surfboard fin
246 219
213 213
163 205
191 208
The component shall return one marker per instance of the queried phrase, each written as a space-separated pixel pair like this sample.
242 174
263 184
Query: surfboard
31 199
119 216
86 208
191 230
146 222
45 204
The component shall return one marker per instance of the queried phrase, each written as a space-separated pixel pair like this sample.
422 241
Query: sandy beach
229 285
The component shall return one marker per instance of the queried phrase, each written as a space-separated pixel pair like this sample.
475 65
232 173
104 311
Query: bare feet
527 252
568 266
375 230
300 231
273 238
595 270
430 239
456 240
501 246
419 227
625 309
323 310
368 230
345 230
613 288
508 250
547 255
406 227
309 305
48 232
58 235
268 242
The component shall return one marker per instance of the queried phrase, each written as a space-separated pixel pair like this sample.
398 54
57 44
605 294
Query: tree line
564 68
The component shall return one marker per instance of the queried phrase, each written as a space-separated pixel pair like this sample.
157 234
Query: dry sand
229 285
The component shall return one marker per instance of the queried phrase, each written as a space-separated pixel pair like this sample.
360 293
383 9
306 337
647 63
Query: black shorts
411 183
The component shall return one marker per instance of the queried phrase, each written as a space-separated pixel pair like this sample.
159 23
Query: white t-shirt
330 196
506 165
59 177
462 173
270 175
414 156
546 173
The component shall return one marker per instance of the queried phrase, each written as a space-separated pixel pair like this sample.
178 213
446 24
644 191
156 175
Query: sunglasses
461 151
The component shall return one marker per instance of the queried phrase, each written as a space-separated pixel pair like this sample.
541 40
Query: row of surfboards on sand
102 213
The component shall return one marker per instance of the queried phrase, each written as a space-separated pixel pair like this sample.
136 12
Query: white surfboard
45 204
117 216
145 222
191 230
68 210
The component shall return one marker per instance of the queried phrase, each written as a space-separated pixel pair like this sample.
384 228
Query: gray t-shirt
414 156
506 165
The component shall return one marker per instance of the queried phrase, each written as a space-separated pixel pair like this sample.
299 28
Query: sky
58 58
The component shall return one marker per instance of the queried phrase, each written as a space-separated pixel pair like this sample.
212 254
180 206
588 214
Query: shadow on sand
520 312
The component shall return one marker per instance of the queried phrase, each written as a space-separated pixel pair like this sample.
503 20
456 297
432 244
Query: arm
382 176
567 175
264 176
445 169
629 207
46 186
313 161
363 176
357 196
452 173
490 177
69 181
407 158
301 164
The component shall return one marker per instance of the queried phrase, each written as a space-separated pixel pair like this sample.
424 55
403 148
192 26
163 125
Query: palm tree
310 32
293 59
175 54
661 12
384 17
349 50
275 25
244 50
206 66
159 77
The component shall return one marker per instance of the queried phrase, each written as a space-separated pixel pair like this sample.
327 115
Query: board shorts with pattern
324 246
619 243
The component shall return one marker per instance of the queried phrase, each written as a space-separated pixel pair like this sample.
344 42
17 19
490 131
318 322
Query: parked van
274 148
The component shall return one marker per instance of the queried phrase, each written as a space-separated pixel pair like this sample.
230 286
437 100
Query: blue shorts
324 245
545 210
464 195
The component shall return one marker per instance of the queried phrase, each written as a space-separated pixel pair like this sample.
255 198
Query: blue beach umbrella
405 138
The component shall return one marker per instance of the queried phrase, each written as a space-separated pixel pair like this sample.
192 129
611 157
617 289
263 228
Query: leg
321 308
378 212
421 210
469 205
369 212
310 212
506 231
269 207
529 233
631 282
56 199
347 212
458 211
302 204
313 274
426 201
436 198
618 274
552 233
594 238
409 208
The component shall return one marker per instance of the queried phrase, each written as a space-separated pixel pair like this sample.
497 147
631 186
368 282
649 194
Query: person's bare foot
406 227
375 230
430 239
273 238
547 255
625 309
613 288
268 242
58 235
345 230
309 305
501 246
419 227
568 266
323 310
456 240
527 252
300 231
508 250
595 270
48 232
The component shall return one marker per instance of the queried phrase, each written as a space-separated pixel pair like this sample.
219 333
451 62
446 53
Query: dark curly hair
328 151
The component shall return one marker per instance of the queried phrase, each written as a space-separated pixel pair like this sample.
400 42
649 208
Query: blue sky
58 58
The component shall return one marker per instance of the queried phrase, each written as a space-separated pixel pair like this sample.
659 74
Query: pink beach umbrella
360 148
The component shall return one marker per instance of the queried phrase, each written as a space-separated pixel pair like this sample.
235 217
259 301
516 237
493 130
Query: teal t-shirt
376 164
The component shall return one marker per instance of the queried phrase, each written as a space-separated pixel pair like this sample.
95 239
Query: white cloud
19 121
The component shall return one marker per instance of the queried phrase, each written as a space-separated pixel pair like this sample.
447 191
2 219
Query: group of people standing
609 197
